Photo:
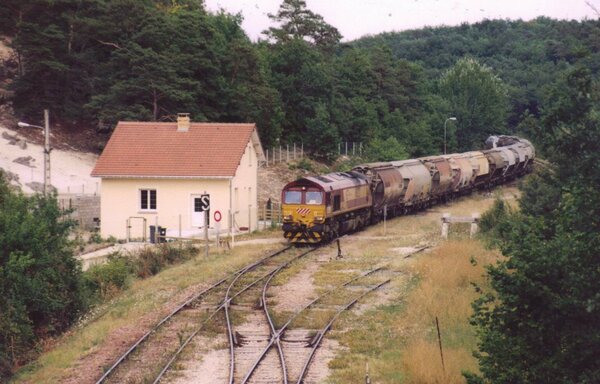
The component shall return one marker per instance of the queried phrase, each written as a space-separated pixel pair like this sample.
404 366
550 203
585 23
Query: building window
148 199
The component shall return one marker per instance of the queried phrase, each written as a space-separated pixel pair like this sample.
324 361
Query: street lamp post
47 148
450 118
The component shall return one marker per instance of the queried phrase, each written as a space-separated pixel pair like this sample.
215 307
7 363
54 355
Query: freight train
320 208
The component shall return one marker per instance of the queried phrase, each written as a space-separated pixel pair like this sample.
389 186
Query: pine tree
539 323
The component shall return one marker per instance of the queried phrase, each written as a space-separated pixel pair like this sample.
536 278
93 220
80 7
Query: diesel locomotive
320 208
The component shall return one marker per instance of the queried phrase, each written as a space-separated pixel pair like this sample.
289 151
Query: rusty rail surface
187 303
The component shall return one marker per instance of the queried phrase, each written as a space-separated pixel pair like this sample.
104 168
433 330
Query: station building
158 174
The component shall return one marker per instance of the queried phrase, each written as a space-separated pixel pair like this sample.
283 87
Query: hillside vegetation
527 55
96 62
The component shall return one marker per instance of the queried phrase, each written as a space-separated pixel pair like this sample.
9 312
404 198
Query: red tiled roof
146 149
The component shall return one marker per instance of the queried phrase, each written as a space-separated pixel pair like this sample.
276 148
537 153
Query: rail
187 303
321 334
277 333
227 301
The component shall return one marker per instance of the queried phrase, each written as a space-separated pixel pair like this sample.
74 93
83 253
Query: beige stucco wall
120 201
244 190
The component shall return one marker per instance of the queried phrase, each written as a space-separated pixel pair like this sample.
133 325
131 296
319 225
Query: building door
197 212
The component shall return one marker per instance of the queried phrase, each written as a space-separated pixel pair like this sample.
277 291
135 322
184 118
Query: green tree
477 98
539 323
322 136
39 277
302 77
296 21
385 150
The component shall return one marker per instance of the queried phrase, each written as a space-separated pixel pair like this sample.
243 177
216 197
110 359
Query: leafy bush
494 222
150 261
40 291
95 238
304 164
105 280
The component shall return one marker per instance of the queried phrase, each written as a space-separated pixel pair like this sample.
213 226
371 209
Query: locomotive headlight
319 219
288 218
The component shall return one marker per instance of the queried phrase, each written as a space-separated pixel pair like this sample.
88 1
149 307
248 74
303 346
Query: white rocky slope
23 163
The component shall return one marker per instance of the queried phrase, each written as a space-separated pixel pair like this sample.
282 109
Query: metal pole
230 223
287 152
437 324
206 231
156 232
233 230
294 151
446 121
46 151
267 157
445 136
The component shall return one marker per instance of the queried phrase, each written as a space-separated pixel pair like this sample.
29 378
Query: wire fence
269 216
284 154
293 152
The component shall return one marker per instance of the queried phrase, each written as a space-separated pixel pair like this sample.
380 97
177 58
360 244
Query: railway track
259 350
174 332
276 337
245 343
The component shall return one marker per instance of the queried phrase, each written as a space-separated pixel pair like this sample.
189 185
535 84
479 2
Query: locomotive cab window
313 197
292 197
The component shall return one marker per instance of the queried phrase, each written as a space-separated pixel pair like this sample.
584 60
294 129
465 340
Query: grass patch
399 339
144 302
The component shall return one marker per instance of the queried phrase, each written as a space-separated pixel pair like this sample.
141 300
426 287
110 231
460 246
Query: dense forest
95 62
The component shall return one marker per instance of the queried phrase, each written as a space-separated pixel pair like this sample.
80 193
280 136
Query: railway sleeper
313 340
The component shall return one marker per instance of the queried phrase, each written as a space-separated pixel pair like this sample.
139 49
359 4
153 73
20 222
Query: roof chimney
183 122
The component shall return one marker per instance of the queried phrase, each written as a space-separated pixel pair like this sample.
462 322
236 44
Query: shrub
95 238
150 261
105 280
494 223
40 291
304 164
